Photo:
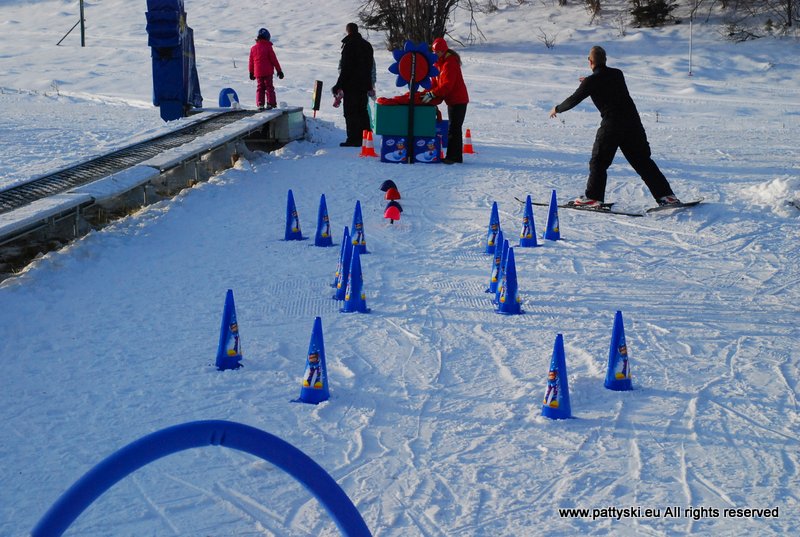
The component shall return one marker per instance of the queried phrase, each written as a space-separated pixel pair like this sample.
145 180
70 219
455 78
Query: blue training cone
509 302
552 232
501 273
341 263
357 237
343 269
293 232
527 237
556 397
323 235
314 387
618 374
498 257
229 351
355 300
494 229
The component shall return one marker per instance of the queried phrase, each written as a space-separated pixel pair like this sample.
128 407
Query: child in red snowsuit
262 64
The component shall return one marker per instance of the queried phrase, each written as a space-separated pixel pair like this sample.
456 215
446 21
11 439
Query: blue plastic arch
199 434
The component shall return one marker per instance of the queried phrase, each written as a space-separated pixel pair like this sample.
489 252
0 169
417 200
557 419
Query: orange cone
370 151
364 143
468 143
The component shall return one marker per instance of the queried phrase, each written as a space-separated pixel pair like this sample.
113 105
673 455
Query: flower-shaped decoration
424 67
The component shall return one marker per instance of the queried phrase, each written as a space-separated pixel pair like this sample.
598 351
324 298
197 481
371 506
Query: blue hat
263 33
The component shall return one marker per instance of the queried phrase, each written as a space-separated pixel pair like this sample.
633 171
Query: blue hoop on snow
199 434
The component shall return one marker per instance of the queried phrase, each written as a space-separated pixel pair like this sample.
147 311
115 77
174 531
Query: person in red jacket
262 64
449 87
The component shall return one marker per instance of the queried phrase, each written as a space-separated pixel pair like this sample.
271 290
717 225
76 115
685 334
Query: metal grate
105 165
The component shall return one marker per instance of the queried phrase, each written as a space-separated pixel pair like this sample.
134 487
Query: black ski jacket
606 86
355 66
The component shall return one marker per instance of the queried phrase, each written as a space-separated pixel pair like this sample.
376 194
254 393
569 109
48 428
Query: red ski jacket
449 85
263 61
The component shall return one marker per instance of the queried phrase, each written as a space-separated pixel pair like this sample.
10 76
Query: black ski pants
356 116
455 140
632 141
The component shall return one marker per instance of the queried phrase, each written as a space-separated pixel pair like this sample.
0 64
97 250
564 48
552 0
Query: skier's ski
607 207
604 208
680 205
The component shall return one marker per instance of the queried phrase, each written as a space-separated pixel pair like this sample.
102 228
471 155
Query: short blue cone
293 232
618 374
314 388
229 351
527 237
509 301
323 235
552 232
494 229
355 300
357 236
339 266
498 257
501 275
343 269
556 397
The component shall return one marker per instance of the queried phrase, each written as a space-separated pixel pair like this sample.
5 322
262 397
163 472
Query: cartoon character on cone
313 367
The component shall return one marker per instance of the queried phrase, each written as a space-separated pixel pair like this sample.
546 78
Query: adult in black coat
620 128
356 82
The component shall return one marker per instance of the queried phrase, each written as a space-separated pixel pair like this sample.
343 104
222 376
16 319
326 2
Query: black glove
280 75
252 76
335 89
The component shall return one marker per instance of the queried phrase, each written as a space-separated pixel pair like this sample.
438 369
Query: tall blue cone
493 230
229 351
527 237
509 302
618 374
343 269
340 265
552 231
355 300
314 387
293 232
498 257
323 235
501 274
556 397
357 236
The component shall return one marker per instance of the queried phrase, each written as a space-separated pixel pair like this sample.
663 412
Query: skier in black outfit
620 127
355 81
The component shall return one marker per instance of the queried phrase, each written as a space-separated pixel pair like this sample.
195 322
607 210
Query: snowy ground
433 427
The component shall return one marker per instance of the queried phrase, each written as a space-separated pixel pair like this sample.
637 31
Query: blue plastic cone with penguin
343 267
618 373
314 388
556 396
229 350
552 232
527 236
293 232
501 275
493 230
496 260
323 235
357 235
355 299
509 302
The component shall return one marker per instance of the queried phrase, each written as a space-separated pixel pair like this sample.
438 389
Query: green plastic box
392 120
